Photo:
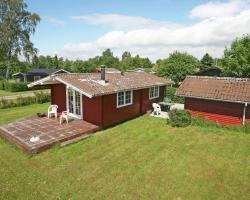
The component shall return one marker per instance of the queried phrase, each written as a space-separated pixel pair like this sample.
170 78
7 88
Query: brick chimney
103 72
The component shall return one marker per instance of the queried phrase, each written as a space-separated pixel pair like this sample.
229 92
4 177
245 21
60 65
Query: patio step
75 140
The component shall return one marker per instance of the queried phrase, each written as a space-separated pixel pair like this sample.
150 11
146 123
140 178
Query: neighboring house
36 74
19 77
140 69
210 71
221 99
103 98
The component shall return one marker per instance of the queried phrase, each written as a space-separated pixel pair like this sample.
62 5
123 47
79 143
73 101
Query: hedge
16 87
40 97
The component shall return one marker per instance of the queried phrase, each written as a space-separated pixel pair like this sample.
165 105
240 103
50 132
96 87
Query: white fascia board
61 70
40 82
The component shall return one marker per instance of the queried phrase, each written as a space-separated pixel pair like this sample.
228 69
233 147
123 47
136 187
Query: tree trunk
8 67
7 71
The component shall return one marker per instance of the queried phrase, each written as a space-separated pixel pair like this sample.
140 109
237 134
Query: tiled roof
216 88
91 84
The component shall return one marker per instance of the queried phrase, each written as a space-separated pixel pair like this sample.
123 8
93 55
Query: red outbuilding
221 99
104 98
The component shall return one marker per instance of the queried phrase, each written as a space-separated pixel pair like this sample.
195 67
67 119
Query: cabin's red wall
58 96
223 113
92 109
113 115
147 103
102 110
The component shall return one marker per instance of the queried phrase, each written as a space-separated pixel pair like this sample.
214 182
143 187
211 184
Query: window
154 92
124 98
36 78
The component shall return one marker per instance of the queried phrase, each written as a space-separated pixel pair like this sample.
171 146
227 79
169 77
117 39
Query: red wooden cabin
221 99
103 98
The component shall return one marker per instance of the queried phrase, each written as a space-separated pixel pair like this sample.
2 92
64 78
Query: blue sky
82 29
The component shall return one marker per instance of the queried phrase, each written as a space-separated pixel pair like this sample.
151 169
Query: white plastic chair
157 109
63 116
52 110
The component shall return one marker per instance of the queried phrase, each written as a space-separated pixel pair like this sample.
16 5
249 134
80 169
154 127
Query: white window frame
155 96
124 98
36 78
67 103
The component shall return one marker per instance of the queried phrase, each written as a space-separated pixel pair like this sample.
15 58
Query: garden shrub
179 118
16 87
40 97
23 101
170 93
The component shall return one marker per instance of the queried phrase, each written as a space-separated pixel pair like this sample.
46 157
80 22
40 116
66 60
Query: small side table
165 106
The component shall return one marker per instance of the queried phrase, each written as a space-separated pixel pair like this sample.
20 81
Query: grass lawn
7 93
141 159
10 114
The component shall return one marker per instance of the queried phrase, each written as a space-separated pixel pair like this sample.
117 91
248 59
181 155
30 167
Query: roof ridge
218 78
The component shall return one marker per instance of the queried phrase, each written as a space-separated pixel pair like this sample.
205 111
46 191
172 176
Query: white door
74 103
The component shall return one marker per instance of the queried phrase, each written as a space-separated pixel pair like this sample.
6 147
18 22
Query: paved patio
48 130
162 115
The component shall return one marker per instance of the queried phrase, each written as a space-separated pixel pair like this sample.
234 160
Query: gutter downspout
244 114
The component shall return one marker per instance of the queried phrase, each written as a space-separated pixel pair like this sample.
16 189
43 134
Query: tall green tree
206 61
139 62
177 66
236 59
109 59
16 26
127 61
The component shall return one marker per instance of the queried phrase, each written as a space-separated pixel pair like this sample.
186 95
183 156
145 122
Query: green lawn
7 93
10 114
141 159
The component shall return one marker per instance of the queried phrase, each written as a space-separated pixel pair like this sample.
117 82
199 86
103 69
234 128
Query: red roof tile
91 85
216 88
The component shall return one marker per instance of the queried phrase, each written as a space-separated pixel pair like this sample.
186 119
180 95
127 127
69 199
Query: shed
224 100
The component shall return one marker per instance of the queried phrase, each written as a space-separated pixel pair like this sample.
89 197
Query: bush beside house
179 118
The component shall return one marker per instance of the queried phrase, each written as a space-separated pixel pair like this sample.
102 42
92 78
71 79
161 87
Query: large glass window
74 102
154 92
71 100
77 103
124 98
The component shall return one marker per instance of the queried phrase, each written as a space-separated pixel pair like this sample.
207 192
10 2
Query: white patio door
74 103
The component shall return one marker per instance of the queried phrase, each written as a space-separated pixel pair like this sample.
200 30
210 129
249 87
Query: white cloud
122 22
55 21
157 41
219 9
